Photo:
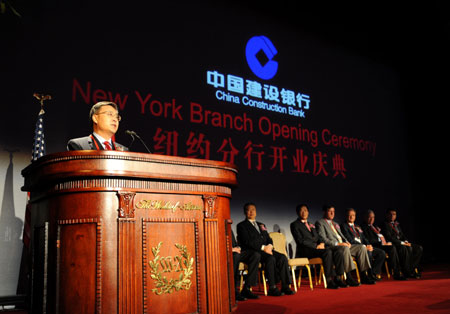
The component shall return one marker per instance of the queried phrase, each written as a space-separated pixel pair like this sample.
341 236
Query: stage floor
430 294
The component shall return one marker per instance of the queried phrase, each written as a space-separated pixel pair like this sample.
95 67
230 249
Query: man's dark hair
246 205
299 207
390 210
325 209
368 212
349 210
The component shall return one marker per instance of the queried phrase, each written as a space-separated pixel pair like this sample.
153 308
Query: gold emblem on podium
182 264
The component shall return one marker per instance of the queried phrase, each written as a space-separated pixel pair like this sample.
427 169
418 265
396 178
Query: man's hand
320 246
236 249
268 249
345 244
369 247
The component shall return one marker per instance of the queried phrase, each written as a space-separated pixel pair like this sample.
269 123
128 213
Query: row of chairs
279 245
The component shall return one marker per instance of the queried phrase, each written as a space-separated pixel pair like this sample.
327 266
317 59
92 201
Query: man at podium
105 123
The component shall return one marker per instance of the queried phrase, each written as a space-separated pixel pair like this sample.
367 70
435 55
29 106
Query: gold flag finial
41 99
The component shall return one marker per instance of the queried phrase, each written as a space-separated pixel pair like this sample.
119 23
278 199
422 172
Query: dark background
392 57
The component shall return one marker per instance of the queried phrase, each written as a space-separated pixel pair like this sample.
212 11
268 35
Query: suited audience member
409 253
310 246
374 236
105 120
330 233
355 235
252 260
252 236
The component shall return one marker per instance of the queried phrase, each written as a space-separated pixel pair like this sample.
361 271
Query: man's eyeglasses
111 115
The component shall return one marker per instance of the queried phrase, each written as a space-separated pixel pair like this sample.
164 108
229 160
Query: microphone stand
133 134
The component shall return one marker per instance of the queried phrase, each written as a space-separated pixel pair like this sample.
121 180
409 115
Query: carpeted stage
430 294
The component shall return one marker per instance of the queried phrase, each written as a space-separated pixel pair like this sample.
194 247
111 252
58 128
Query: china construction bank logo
260 55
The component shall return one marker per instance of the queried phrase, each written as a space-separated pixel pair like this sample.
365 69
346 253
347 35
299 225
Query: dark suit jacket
303 237
371 236
347 232
391 235
86 143
249 238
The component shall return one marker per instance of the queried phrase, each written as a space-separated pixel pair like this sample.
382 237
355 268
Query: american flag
38 149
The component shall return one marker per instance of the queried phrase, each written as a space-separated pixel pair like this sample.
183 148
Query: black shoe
400 277
339 283
332 285
239 297
287 291
367 281
351 282
274 292
414 275
246 293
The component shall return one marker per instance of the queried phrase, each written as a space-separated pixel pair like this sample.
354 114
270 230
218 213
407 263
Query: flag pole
38 150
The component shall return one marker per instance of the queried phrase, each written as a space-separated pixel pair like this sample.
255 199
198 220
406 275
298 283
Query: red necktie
355 232
394 226
107 146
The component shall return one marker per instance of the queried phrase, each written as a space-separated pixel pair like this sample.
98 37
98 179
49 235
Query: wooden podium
122 232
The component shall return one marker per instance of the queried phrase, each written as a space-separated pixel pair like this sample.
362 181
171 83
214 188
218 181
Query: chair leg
300 277
315 275
264 283
241 283
293 278
357 272
320 274
322 271
387 269
309 276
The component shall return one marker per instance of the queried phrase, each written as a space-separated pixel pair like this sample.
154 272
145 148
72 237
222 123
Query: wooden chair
386 266
243 269
318 261
279 245
357 271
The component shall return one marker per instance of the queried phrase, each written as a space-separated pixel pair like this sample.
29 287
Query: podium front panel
131 233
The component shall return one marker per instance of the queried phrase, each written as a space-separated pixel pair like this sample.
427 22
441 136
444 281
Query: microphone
134 134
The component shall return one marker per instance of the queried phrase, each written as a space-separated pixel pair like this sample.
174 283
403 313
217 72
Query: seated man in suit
409 253
373 235
253 236
331 235
105 123
355 235
252 260
309 246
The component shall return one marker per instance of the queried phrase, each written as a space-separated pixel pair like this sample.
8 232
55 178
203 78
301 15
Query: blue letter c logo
254 46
